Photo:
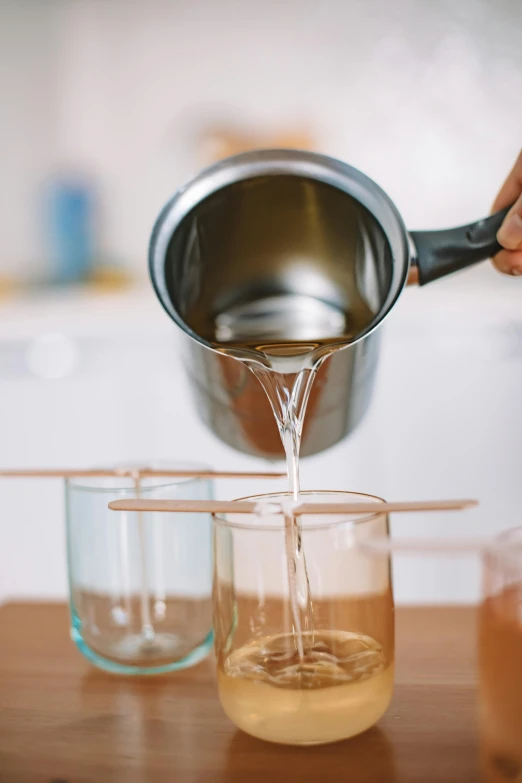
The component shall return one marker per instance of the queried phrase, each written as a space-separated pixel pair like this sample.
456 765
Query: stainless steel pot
287 246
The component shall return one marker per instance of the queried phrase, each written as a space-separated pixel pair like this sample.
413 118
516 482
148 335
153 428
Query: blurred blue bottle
70 202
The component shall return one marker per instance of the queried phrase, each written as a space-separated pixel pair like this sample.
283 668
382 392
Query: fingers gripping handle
439 253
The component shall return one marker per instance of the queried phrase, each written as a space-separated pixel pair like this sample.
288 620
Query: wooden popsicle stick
248 506
123 472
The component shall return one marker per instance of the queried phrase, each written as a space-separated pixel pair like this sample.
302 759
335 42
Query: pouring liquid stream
289 406
284 340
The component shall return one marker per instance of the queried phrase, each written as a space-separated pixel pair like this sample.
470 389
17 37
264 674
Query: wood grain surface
62 720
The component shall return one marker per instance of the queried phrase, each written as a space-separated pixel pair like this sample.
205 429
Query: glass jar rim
115 483
506 548
224 519
512 536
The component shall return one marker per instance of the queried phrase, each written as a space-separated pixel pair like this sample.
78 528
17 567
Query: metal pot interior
278 261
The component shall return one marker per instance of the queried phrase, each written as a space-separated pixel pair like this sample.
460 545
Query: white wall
29 125
424 97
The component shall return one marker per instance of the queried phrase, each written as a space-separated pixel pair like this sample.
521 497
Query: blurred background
110 105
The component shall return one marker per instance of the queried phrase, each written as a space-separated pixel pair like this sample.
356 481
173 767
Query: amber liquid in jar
501 686
341 687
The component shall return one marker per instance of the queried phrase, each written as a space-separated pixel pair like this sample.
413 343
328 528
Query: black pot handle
439 253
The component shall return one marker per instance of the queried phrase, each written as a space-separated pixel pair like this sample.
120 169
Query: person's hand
509 260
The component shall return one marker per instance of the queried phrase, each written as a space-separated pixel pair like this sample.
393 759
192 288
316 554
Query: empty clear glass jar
140 583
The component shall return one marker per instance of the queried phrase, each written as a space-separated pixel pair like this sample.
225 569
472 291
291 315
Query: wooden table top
62 720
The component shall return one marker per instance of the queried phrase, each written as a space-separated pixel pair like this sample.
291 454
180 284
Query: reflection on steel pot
275 257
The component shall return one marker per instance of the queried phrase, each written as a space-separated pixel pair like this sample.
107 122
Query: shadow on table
368 758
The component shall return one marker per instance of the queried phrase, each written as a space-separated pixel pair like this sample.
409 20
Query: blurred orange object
8 286
109 278
221 142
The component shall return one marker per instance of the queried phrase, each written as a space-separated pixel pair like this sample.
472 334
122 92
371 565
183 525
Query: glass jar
289 669
140 584
500 659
